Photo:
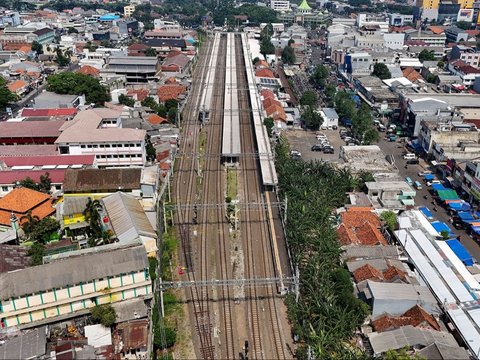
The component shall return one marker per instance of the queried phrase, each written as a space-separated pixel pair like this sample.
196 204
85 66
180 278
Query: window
82 146
4 188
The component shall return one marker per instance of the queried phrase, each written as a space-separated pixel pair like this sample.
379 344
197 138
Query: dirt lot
303 140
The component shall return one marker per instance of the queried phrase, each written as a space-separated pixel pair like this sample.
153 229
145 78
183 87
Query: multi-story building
400 19
280 5
128 10
127 26
426 10
465 53
46 292
455 34
429 38
358 63
135 68
100 132
9 18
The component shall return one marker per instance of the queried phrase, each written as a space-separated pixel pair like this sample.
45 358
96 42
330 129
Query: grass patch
232 185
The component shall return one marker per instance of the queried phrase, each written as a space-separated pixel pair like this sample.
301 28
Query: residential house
131 338
465 53
89 70
129 222
329 116
30 132
416 316
170 91
360 226
71 213
23 201
100 132
51 100
50 291
396 195
466 72
137 69
137 49
18 87
177 62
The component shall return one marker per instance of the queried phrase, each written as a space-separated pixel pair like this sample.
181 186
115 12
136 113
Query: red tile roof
16 85
393 273
30 129
154 119
8 177
28 150
89 70
167 92
367 272
360 226
48 160
436 29
264 73
138 47
411 74
267 94
468 69
48 112
171 80
21 200
138 94
261 63
415 316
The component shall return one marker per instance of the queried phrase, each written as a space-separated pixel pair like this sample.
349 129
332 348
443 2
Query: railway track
259 262
185 191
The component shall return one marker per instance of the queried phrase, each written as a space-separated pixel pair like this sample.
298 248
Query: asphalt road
396 149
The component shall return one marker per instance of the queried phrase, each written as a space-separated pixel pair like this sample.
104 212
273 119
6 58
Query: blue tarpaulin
465 215
441 226
428 177
426 212
476 229
438 187
459 206
461 252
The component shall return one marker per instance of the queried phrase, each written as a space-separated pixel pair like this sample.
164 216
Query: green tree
319 76
288 55
167 340
37 47
441 64
370 136
150 149
266 46
362 126
171 103
309 98
92 214
390 219
72 30
29 222
104 314
6 96
269 124
312 118
39 230
45 184
445 234
76 83
126 100
152 268
426 55
61 59
344 105
90 46
29 184
150 52
150 102
36 253
172 115
464 25
381 71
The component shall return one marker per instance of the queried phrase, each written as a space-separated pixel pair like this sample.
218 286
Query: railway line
228 317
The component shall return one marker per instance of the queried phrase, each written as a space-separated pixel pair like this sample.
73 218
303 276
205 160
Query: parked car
381 128
409 181
347 139
328 150
418 186
317 147
413 162
409 156
295 154
423 173
430 183
392 138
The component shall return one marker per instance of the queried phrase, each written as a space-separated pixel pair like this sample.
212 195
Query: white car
295 153
423 173
430 183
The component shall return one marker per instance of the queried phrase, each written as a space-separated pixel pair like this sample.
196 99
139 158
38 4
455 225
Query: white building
46 292
280 5
160 24
100 132
329 116
128 10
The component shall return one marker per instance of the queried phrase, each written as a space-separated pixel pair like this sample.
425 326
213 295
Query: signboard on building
465 15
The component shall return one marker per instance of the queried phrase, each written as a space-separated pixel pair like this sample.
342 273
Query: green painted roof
304 5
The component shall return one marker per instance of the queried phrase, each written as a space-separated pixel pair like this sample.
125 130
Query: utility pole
297 283
286 207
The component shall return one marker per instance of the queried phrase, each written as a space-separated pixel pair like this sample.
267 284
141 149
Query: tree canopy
104 314
126 100
327 313
362 126
309 97
74 83
44 185
288 55
426 55
6 96
266 46
319 76
344 105
37 47
381 71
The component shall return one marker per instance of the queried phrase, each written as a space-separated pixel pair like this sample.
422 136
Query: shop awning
426 212
460 251
438 187
465 215
428 177
448 195
459 206
441 226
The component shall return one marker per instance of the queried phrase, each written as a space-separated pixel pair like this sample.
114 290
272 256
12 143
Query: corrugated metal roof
74 205
127 217
87 267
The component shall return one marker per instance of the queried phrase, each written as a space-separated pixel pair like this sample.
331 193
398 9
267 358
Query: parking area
303 140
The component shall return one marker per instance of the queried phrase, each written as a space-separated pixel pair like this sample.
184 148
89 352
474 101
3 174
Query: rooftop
13 257
133 60
83 180
27 150
85 128
8 177
11 161
87 267
29 112
30 129
29 345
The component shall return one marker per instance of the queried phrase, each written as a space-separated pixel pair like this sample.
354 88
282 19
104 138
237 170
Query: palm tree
92 213
29 222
